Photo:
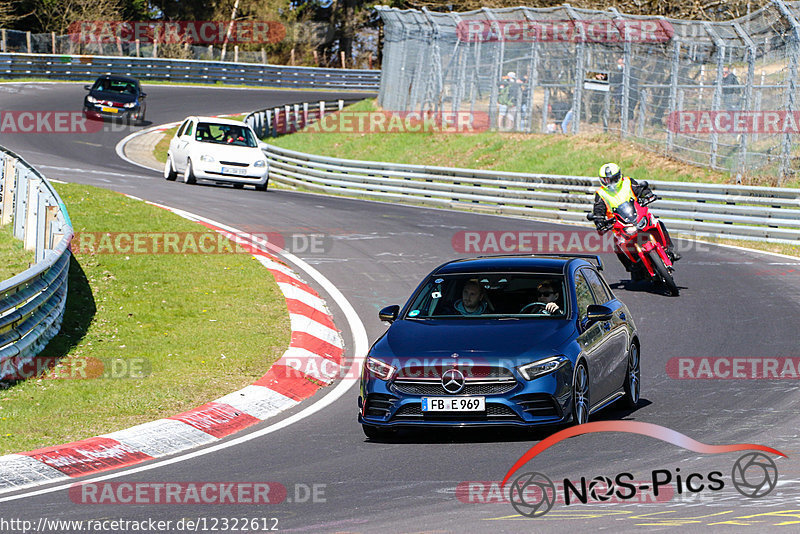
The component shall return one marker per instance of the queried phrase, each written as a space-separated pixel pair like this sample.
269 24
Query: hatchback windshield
225 134
494 295
115 86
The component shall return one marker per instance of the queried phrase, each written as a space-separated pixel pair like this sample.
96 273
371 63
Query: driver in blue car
617 189
473 299
547 299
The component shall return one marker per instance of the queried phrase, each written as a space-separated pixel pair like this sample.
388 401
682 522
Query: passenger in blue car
473 299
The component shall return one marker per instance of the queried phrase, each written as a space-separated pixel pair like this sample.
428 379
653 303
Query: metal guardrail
280 120
730 211
185 70
32 302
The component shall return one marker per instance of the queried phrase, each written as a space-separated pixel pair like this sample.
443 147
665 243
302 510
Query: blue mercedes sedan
502 340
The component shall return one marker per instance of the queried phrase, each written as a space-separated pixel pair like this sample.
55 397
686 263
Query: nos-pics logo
533 494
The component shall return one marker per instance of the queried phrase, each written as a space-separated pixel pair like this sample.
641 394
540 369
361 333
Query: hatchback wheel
188 174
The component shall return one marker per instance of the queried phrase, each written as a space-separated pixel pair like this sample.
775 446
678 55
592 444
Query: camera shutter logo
532 494
754 475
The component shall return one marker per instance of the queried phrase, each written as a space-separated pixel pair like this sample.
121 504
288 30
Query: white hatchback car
220 150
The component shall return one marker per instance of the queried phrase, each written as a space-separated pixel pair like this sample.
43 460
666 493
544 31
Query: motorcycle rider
615 190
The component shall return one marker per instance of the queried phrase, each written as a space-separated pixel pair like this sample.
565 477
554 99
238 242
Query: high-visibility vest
623 194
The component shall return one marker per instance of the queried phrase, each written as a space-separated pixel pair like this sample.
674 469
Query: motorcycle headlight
533 370
642 223
260 163
130 105
631 230
207 158
381 370
92 100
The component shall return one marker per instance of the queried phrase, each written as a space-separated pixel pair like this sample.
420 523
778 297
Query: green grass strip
203 324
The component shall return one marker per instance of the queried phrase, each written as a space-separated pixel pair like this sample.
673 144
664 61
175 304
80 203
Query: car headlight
529 371
260 163
207 158
92 100
130 105
381 370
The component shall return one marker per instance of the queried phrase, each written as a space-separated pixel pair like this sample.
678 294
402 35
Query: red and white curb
315 342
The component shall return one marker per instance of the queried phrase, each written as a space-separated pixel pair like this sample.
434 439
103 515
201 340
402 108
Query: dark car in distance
115 97
502 340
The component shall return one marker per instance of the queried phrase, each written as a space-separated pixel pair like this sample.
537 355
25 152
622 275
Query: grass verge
580 155
15 258
199 325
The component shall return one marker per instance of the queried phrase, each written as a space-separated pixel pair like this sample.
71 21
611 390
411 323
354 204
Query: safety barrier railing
279 120
67 67
32 302
729 211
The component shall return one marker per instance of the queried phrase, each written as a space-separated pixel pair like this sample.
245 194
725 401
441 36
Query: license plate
109 110
234 170
453 404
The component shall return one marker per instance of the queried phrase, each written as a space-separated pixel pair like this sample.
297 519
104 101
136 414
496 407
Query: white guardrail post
748 213
32 302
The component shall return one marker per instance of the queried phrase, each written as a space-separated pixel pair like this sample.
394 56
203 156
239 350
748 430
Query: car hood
222 152
474 338
114 97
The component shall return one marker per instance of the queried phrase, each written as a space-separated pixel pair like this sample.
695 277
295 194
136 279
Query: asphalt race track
733 303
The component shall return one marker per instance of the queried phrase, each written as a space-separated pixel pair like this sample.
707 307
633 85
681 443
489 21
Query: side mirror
389 313
590 216
87 87
597 312
262 145
142 95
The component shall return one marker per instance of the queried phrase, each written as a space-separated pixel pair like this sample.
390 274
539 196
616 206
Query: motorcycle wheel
663 272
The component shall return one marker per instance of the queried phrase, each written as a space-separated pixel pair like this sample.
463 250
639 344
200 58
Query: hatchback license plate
234 170
453 404
109 110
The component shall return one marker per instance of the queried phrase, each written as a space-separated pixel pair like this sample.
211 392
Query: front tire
262 187
663 272
169 170
188 174
580 395
633 378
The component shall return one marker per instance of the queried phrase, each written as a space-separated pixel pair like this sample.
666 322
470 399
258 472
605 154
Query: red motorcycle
640 237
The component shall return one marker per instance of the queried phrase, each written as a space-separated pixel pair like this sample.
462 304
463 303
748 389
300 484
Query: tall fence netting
676 86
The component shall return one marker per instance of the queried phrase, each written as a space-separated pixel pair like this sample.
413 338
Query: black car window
496 295
226 134
189 128
180 130
583 294
601 295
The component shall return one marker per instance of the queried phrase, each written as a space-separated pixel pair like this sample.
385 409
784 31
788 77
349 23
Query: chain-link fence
718 94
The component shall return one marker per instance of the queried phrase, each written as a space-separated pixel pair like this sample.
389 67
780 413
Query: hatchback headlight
92 100
260 163
207 158
381 370
130 105
533 370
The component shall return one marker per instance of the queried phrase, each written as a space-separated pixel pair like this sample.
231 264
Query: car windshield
116 86
225 134
489 295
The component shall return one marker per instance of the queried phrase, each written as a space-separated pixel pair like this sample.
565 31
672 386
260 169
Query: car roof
216 120
514 263
118 77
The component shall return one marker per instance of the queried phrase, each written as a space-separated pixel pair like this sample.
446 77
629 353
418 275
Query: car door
181 152
593 342
174 144
615 331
